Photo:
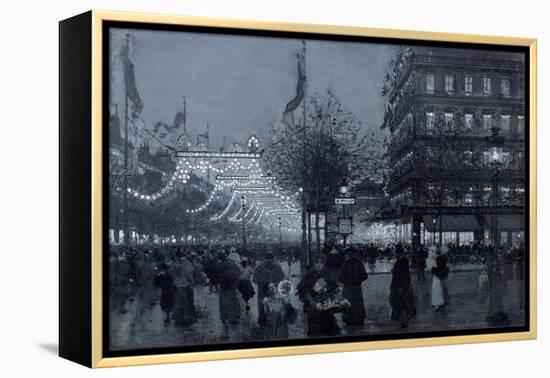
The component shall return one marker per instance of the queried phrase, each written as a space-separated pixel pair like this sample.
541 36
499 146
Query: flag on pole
130 82
293 104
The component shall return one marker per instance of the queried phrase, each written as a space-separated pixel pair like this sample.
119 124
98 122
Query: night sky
241 84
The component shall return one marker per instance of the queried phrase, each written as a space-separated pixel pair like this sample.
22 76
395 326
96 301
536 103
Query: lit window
505 123
505 87
487 85
430 120
468 84
468 121
430 83
487 122
449 83
449 121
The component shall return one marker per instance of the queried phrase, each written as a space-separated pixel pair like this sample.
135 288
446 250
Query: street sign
344 201
344 226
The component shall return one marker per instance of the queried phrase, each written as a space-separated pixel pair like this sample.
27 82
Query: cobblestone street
467 310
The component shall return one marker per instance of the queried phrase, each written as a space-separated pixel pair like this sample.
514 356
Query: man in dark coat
334 263
268 271
401 292
352 276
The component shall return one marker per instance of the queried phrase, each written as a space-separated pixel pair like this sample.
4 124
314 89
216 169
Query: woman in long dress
245 286
185 276
440 273
401 292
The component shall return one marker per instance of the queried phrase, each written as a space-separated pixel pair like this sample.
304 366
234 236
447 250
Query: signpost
345 226
344 201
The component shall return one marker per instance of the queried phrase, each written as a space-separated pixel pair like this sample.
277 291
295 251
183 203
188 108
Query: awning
452 223
508 222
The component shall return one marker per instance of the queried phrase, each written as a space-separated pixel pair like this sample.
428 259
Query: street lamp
434 221
243 207
344 189
495 160
344 186
280 235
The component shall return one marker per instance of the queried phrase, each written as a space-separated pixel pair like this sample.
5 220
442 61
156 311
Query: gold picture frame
94 260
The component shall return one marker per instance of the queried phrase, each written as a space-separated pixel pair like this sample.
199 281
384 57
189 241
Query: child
277 314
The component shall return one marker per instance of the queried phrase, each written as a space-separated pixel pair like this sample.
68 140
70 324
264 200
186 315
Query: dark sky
239 84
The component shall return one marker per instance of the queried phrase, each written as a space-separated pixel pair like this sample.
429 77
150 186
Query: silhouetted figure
401 292
353 274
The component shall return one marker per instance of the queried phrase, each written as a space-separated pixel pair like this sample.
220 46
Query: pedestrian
421 257
267 271
230 303
245 286
277 314
372 255
145 275
440 294
316 289
401 292
334 263
165 281
119 277
185 276
353 274
211 268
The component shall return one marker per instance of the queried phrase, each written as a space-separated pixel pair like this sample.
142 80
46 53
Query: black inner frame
107 25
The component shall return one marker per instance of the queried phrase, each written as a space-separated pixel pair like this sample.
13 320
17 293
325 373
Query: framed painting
234 189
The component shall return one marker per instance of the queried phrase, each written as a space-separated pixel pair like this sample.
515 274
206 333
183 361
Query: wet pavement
467 310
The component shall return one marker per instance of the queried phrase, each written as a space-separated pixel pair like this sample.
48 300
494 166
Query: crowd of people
331 283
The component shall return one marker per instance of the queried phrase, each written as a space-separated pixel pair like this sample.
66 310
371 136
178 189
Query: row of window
450 86
488 122
507 194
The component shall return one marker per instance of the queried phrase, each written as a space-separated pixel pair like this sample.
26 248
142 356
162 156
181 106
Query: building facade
445 108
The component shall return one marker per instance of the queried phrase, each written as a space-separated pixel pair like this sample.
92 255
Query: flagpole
305 243
184 115
125 219
208 147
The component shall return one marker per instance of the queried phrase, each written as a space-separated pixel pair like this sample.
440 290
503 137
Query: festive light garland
253 183
226 210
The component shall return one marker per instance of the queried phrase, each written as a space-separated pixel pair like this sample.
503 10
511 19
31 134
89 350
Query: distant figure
145 275
245 286
165 281
230 304
266 272
401 292
421 257
120 286
315 291
277 314
185 275
211 268
352 276
440 273
372 255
